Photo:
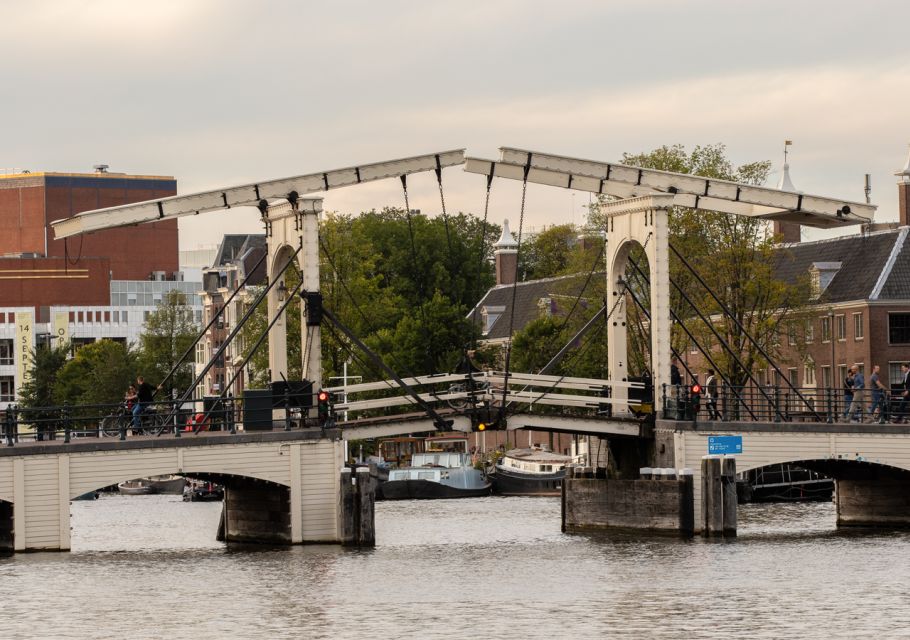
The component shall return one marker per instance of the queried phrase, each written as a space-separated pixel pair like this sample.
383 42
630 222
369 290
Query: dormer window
489 315
821 274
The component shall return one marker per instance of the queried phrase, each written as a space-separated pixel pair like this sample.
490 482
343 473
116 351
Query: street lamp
831 332
282 292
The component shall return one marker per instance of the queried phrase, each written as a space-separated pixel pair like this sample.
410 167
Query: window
840 326
809 374
895 375
6 352
899 328
810 332
826 329
791 335
7 389
858 326
826 377
791 375
841 373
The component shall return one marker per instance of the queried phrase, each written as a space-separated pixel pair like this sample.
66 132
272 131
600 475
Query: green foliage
557 251
167 334
99 373
406 301
44 365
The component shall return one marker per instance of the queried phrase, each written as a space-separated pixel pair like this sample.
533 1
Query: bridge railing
775 403
161 418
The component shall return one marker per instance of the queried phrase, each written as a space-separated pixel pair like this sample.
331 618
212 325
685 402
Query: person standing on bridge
848 393
145 394
857 408
711 395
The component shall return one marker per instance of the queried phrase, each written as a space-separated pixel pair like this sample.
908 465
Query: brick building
36 270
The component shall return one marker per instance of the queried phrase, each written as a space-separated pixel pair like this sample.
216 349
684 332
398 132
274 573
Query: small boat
530 472
199 491
169 484
441 474
136 488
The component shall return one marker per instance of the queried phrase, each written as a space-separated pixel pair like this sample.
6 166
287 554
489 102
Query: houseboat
443 470
530 472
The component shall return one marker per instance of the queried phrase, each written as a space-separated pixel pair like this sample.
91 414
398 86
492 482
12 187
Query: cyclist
145 394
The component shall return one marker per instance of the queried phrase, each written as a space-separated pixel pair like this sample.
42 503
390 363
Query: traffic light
486 420
694 400
324 405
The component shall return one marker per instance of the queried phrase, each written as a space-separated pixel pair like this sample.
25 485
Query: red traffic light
696 388
323 396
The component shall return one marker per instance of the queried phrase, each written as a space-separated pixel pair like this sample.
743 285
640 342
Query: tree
733 254
44 365
167 334
99 373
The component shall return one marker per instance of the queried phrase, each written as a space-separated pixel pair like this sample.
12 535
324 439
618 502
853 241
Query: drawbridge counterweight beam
251 194
691 191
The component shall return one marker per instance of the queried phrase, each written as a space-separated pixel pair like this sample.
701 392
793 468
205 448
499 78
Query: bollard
728 482
644 473
712 502
669 474
686 500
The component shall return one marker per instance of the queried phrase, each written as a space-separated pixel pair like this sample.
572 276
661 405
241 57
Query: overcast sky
218 93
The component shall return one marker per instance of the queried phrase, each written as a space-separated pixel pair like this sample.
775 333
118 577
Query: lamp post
282 292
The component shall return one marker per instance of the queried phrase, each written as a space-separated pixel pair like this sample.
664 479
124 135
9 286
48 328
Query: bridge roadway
869 462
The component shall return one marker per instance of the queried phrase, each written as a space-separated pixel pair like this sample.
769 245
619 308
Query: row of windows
893 373
147 299
840 329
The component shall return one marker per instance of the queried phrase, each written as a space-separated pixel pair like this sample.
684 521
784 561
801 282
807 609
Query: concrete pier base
258 513
657 505
6 526
874 502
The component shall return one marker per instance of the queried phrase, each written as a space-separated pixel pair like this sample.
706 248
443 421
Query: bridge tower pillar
289 226
642 221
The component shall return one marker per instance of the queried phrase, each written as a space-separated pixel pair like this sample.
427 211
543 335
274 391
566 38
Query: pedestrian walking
900 413
857 407
877 410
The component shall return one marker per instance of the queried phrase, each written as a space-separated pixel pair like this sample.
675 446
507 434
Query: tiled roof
863 257
561 291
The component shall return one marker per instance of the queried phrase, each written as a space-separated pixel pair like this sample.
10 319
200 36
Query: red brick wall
46 281
134 252
22 218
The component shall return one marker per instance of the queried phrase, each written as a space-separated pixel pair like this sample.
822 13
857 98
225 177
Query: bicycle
150 422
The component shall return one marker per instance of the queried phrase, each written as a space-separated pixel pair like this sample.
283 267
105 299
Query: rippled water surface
149 567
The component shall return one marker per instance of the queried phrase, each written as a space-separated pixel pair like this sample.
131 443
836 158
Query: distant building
98 286
234 260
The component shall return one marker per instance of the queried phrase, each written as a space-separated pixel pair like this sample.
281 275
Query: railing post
66 423
124 424
232 425
723 402
176 418
777 411
9 425
287 408
831 407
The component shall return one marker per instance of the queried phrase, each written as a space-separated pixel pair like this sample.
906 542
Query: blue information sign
727 445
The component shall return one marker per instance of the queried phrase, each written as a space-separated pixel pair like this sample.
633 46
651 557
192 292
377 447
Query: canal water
149 567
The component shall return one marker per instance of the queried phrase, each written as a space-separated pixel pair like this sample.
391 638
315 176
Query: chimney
506 256
903 193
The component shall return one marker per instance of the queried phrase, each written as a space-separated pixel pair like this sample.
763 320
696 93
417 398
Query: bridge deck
784 427
202 439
